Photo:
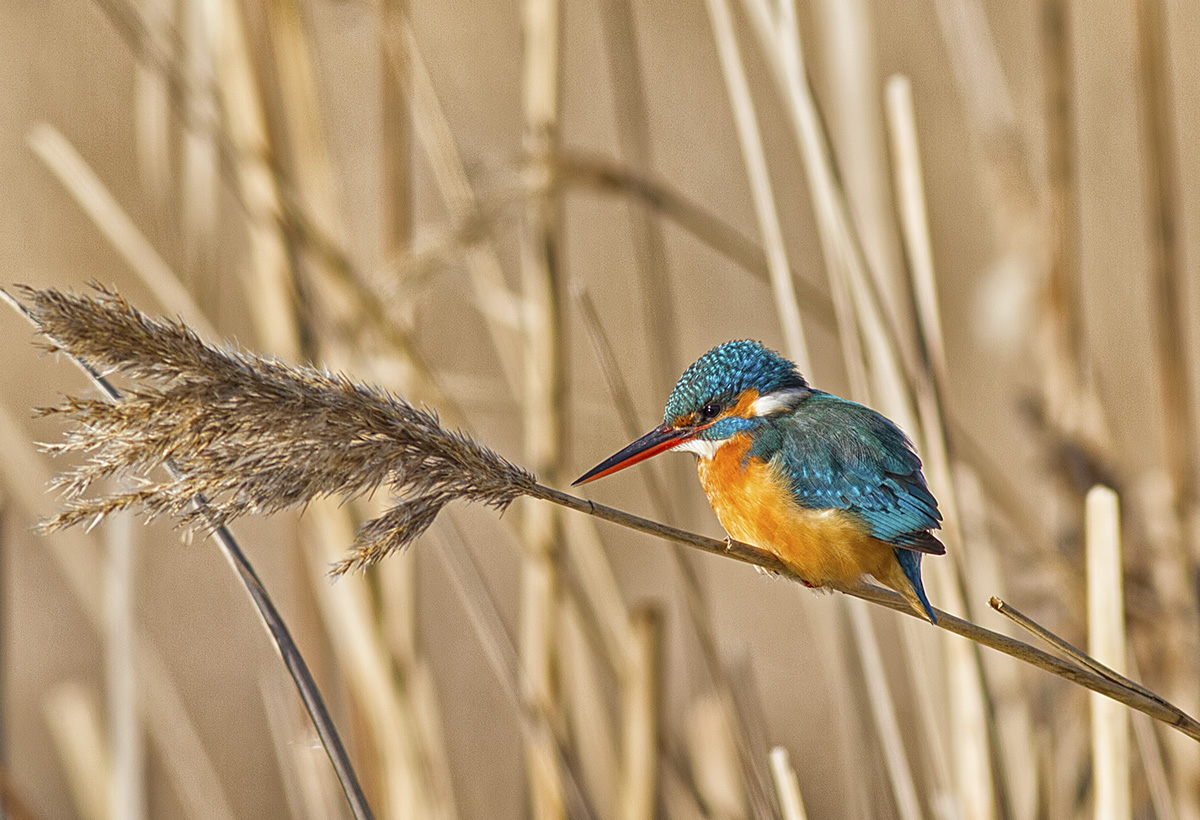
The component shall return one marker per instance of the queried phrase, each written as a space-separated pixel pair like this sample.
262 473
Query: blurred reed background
975 216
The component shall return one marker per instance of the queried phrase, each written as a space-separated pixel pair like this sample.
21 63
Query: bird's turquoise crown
722 374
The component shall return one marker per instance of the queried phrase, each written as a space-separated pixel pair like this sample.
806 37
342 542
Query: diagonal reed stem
1133 697
272 620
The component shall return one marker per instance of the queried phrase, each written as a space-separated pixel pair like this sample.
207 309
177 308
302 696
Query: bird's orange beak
656 441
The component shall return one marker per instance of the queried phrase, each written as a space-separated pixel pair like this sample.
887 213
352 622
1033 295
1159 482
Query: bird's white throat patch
778 401
701 447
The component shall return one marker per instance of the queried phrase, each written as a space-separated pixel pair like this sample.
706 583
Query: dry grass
956 214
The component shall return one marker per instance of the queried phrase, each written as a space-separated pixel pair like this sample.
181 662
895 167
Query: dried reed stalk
111 219
152 105
632 122
883 709
77 729
1168 272
787 787
128 790
502 655
641 696
587 683
844 38
969 732
1168 275
759 176
309 793
1106 641
396 123
495 301
200 189
574 168
544 356
271 291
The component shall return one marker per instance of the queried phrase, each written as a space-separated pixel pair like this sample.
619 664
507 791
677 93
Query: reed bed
463 253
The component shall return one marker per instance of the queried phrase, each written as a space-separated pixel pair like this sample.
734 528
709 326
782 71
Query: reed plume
245 433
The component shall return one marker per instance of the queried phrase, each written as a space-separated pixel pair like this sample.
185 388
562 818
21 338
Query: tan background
66 64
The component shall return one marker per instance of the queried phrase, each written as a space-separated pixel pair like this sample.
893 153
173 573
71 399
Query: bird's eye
710 412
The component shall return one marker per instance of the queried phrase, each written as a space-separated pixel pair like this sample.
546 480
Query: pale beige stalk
77 729
127 793
111 220
787 787
200 179
152 104
1106 643
641 703
965 687
270 291
541 284
759 178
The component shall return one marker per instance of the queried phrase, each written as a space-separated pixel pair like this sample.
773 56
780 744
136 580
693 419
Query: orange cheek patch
744 407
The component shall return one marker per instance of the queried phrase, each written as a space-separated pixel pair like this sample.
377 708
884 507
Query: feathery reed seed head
246 433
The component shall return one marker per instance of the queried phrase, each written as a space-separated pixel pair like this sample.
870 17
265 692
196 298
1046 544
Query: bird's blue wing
842 455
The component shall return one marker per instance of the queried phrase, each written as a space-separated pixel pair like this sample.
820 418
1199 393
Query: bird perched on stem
831 487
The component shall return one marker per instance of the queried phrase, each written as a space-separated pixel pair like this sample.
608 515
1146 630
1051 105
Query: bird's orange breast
754 504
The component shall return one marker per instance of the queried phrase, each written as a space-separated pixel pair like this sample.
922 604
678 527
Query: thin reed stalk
641 694
496 302
152 106
787 787
844 30
632 122
575 169
973 758
588 682
76 727
271 291
544 392
127 793
502 655
1106 641
111 219
900 774
199 183
762 194
1168 274
1154 707
309 794
1167 269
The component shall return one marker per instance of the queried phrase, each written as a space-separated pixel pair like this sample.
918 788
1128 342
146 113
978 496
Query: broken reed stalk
52 312
250 434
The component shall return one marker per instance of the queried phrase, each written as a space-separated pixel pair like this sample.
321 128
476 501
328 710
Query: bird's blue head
727 390
724 377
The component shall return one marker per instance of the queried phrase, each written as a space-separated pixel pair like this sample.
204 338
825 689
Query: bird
832 488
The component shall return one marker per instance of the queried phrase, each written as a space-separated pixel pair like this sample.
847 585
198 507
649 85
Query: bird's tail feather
908 582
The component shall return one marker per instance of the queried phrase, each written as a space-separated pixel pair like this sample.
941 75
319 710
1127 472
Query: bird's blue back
841 455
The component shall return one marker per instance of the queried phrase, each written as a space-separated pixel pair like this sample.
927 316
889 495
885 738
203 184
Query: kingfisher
832 488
